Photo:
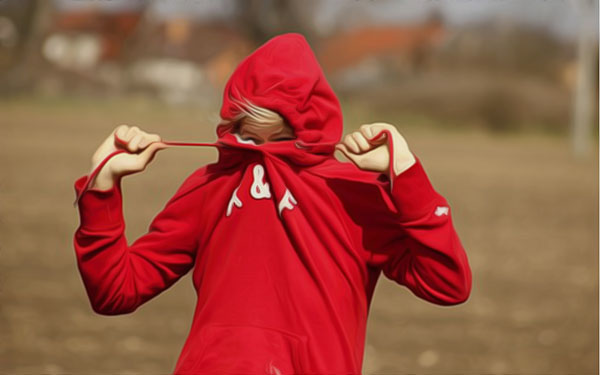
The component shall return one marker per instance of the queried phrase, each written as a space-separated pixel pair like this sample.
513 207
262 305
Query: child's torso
280 275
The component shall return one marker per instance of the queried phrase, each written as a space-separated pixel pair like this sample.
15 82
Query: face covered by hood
283 75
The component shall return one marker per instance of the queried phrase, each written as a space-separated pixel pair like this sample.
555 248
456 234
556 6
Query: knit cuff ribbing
99 209
412 193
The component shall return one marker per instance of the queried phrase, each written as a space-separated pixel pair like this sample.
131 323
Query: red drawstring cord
96 170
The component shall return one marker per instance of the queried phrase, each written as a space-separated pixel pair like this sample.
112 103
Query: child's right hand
140 146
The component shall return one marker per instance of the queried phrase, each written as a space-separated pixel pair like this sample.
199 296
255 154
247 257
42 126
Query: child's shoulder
197 181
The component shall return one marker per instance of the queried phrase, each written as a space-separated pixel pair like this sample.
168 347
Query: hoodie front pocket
237 349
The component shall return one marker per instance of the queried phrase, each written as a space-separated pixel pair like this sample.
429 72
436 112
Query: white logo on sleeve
288 201
441 210
234 201
259 189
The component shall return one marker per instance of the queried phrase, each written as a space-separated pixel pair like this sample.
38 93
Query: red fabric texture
285 242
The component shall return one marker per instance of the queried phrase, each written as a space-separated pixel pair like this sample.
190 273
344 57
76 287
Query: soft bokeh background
497 98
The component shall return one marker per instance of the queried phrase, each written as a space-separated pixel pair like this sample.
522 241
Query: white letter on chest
288 201
234 201
259 189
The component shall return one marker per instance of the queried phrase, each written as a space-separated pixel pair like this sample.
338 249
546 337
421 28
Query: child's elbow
111 309
460 291
459 297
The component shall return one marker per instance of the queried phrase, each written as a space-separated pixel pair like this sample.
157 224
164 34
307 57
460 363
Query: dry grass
525 209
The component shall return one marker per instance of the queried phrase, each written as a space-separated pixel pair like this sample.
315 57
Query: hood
283 75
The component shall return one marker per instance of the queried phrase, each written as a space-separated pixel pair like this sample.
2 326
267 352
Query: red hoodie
286 243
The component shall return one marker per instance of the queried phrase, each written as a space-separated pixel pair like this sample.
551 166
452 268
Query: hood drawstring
298 144
96 170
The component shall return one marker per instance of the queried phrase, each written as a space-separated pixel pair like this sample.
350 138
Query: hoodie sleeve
119 277
424 251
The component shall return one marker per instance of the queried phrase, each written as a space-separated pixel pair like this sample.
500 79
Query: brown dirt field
525 209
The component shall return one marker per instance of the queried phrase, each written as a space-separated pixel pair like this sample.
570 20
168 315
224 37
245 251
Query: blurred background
499 99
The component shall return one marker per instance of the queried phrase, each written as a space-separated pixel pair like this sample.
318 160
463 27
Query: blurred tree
32 18
586 67
263 19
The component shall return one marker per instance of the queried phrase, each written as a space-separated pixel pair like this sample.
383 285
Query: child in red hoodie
285 243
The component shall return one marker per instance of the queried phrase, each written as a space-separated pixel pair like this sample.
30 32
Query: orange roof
113 28
343 50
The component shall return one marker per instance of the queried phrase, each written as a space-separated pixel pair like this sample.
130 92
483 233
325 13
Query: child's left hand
376 156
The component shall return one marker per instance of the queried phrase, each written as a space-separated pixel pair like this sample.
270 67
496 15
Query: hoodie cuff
412 193
99 209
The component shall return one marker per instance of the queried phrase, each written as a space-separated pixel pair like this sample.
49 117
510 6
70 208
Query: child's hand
140 146
375 156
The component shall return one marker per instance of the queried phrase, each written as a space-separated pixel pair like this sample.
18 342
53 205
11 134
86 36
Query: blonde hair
258 116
